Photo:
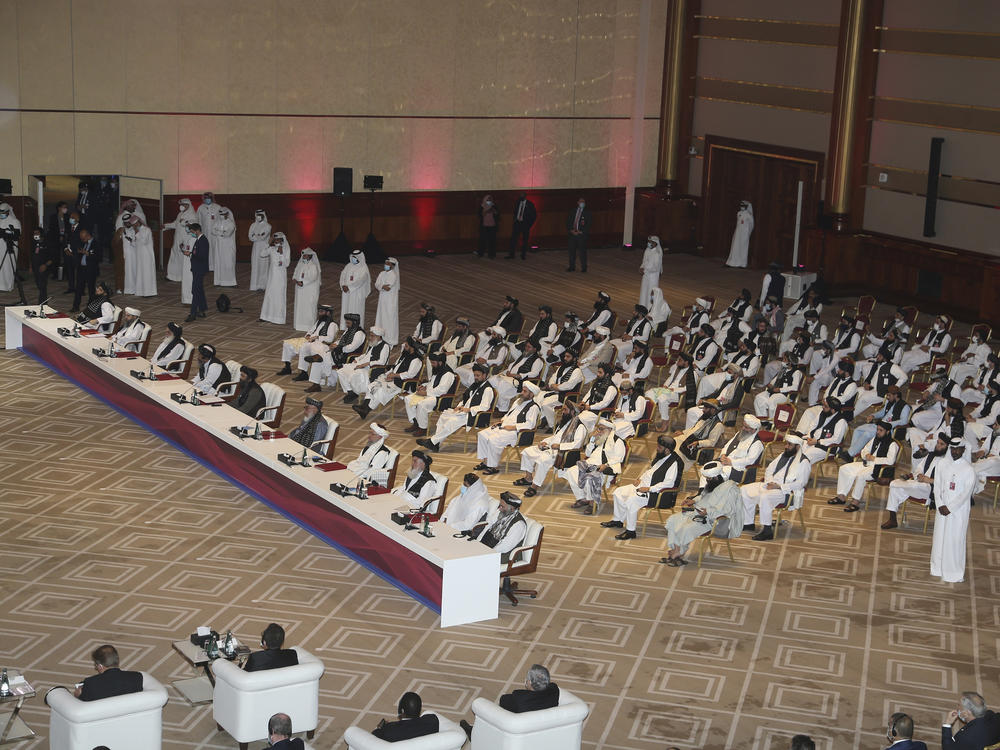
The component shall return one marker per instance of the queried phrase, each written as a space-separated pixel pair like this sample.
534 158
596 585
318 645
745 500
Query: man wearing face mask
259 235
968 362
578 226
84 205
489 221
199 269
307 279
278 256
721 497
919 484
208 214
936 341
224 234
387 313
58 241
652 266
356 285
524 218
41 261
954 483
185 215
470 504
664 473
492 352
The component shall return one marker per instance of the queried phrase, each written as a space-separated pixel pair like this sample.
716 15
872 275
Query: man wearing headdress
316 341
326 366
504 528
356 285
312 428
419 486
212 371
387 313
522 415
785 480
461 341
375 455
354 376
476 399
172 348
470 504
664 473
954 483
538 459
307 279
250 397
259 235
278 256
421 402
133 332
720 498
881 450
384 389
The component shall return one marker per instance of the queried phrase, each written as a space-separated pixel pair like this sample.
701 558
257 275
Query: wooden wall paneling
674 221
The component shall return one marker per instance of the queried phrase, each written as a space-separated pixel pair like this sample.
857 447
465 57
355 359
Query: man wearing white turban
375 456
133 332
720 498
522 415
307 279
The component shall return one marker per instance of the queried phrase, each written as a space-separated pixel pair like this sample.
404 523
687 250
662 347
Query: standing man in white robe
8 253
387 314
739 249
278 255
356 285
954 483
175 265
259 235
208 214
138 246
652 266
186 247
307 279
224 236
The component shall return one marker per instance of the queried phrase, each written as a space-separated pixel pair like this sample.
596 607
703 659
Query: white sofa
121 723
244 701
450 736
558 728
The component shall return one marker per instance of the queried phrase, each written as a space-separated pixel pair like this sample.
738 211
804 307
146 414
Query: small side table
198 690
14 728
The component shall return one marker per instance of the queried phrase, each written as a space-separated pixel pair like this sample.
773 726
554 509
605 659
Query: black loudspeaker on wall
343 181
6 187
933 174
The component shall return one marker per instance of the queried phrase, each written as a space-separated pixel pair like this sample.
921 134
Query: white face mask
387 267
208 200
937 326
354 260
581 204
463 489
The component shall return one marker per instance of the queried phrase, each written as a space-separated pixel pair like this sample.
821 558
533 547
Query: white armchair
244 701
124 721
558 728
450 736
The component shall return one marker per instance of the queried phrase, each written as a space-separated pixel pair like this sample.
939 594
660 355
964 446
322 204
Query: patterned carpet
109 534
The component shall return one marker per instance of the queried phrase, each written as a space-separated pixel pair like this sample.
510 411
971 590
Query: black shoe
524 257
70 291
522 482
350 398
286 370
467 727
625 535
843 455
612 524
583 270
479 254
509 257
490 471
188 319
201 315
530 492
301 376
749 527
570 270
479 467
766 534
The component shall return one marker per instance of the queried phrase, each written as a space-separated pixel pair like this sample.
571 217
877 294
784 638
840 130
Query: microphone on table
244 431
181 398
41 308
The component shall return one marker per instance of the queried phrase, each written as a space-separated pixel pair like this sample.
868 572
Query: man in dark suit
982 726
58 236
273 656
279 734
109 680
524 217
410 724
578 226
899 732
87 257
199 269
41 262
539 693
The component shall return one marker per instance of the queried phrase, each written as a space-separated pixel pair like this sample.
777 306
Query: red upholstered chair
784 415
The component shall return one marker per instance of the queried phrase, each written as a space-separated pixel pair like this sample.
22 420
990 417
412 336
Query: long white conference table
454 577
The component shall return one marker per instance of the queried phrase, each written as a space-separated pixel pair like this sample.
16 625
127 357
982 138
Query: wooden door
766 176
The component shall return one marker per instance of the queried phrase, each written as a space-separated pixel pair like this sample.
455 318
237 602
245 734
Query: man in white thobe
335 356
259 235
881 450
385 388
919 484
739 248
185 215
387 313
132 334
356 285
314 343
421 402
224 233
278 256
986 460
491 352
936 341
172 348
526 367
652 266
8 251
785 480
742 450
522 415
537 460
503 530
208 214
954 483
721 498
461 342
476 399
595 353
469 506
601 460
638 328
663 473
140 274
420 485
307 279
375 457
355 375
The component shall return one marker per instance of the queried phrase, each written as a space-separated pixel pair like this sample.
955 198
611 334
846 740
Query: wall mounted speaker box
343 181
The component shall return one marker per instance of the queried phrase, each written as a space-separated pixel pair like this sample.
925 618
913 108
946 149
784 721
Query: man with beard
312 428
638 328
421 402
567 377
828 431
954 483
504 528
492 352
429 326
212 371
881 450
601 460
522 415
133 333
172 348
705 433
249 395
461 341
543 334
721 498
323 367
478 398
537 460
375 456
384 389
601 315
569 338
785 480
316 341
743 450
919 484
419 485
510 318
527 366
664 473
594 353
952 422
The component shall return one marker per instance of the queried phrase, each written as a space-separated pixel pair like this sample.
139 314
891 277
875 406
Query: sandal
836 501
852 508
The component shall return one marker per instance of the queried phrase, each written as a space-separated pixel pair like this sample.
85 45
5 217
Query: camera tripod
8 257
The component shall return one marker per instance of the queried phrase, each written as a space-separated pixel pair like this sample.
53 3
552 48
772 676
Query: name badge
951 485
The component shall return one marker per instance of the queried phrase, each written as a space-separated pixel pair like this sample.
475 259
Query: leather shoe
570 270
578 504
749 527
467 728
764 535
188 319
612 524
350 398
530 492
314 388
625 535
479 467
301 376
490 471
286 370
314 358
522 482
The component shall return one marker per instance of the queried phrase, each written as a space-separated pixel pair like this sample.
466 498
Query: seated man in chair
109 680
784 476
522 415
273 656
721 497
538 694
664 472
409 723
279 734
503 529
881 450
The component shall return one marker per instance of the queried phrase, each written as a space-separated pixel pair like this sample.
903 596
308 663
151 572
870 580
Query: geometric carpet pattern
109 534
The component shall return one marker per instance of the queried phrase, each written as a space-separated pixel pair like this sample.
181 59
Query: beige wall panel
695 167
626 57
966 15
958 224
101 144
9 73
322 58
650 146
788 65
251 157
553 56
345 144
253 54
202 153
204 55
99 71
940 79
654 70
825 11
971 155
152 42
388 153
512 149
808 130
552 164
300 166
413 61
593 155
10 150
595 59
47 143
152 148
491 77
431 161
474 149
45 53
